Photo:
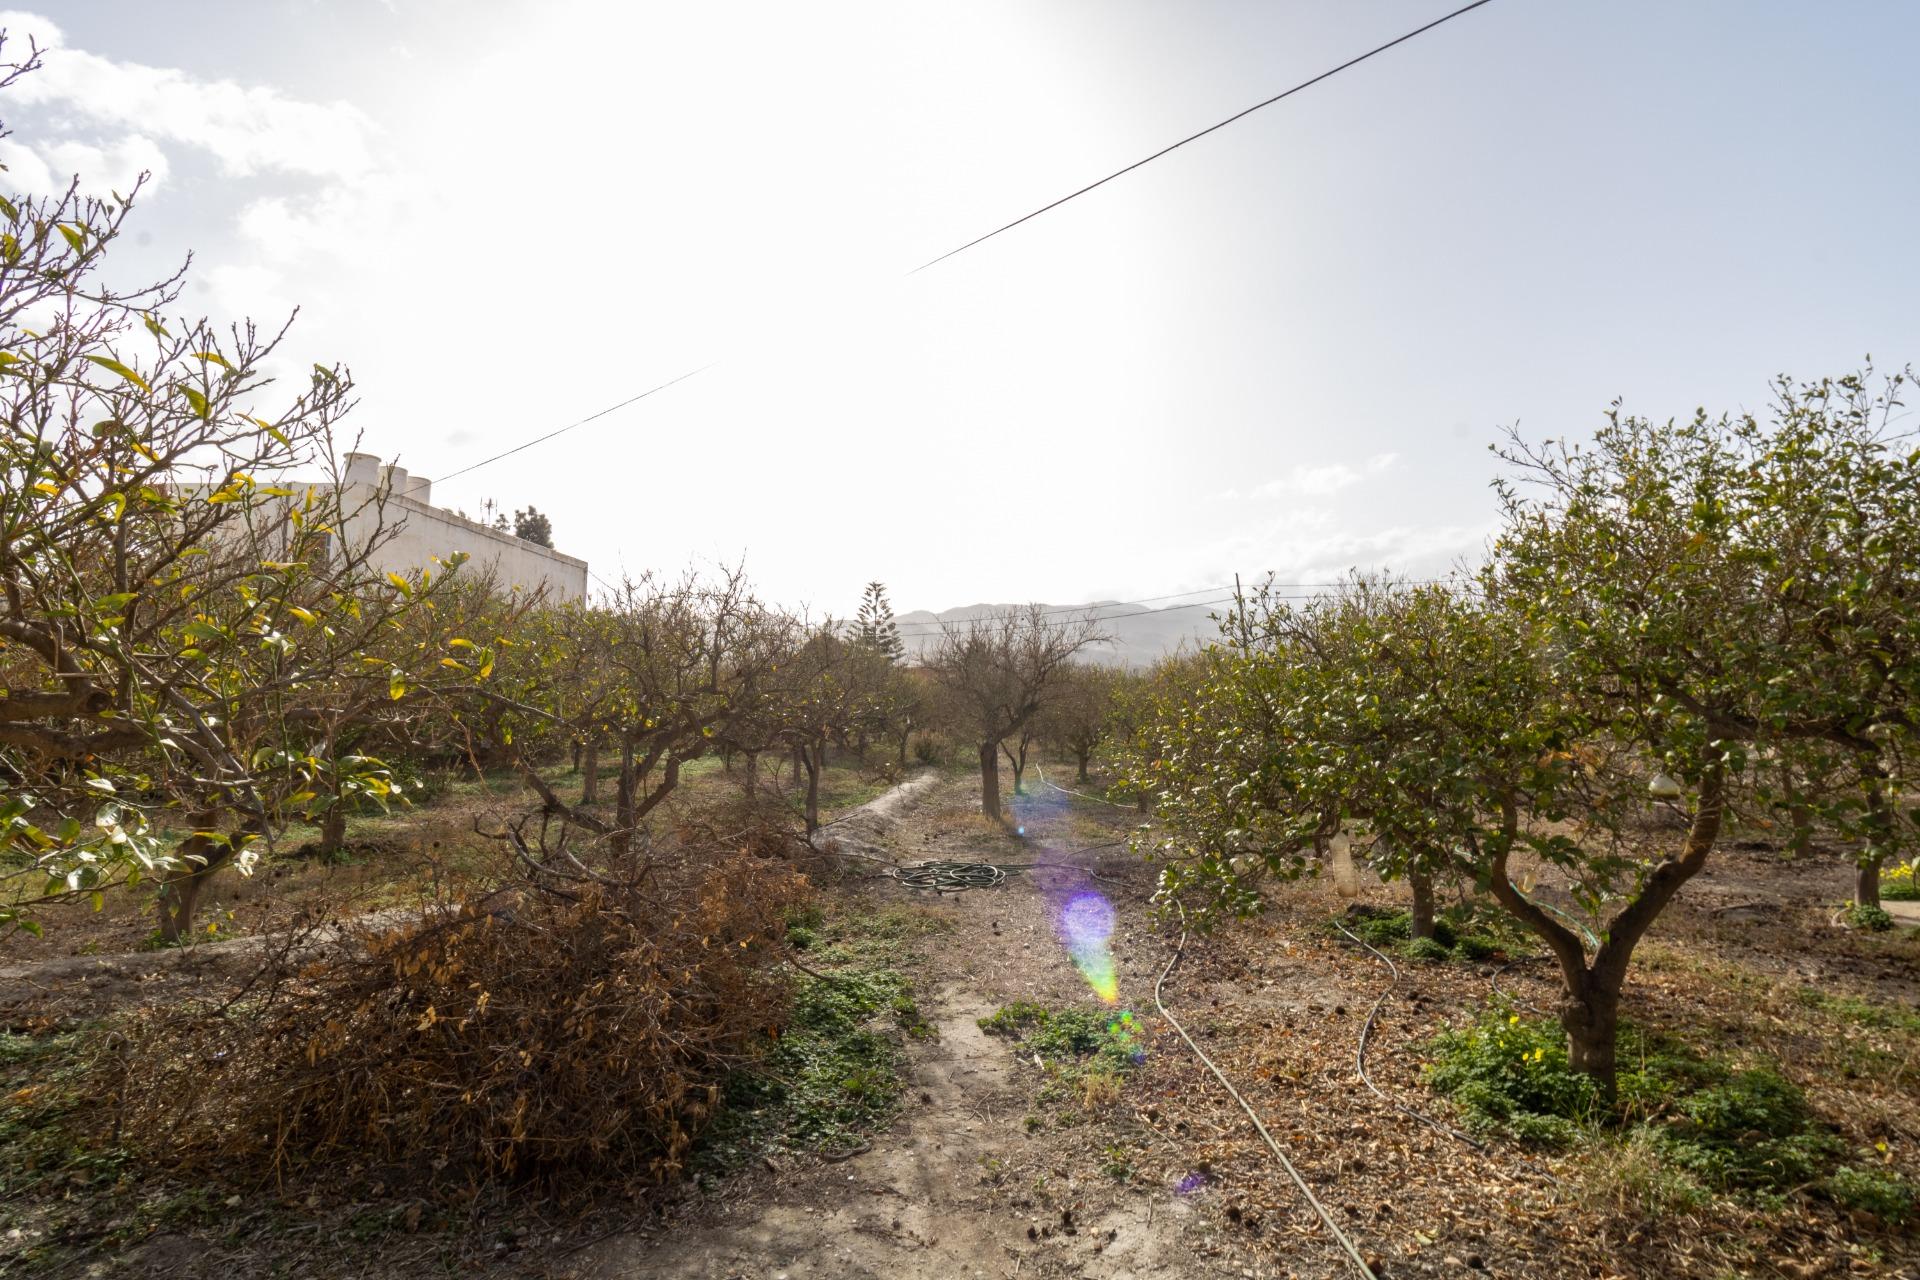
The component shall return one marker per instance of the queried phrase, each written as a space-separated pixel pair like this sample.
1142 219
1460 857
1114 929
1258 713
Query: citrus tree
180 619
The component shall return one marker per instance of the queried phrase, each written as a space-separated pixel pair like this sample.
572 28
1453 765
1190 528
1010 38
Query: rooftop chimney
363 468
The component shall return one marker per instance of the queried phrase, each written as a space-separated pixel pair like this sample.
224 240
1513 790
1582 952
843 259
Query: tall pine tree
877 629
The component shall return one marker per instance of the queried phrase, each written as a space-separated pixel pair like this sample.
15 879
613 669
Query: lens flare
1083 918
1086 923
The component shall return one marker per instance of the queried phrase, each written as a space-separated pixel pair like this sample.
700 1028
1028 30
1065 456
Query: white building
416 532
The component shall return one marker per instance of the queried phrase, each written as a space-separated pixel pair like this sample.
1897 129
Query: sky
1286 347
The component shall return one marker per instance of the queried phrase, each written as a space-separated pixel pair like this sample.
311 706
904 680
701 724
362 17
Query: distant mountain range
1138 635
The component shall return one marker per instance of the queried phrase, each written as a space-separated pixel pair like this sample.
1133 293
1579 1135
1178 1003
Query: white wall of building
416 532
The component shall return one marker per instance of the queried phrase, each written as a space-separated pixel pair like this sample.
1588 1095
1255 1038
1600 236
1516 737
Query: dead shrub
572 1023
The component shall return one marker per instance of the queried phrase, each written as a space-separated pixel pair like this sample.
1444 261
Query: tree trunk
1422 886
1142 803
576 756
623 816
990 779
799 761
590 772
1592 1021
1866 883
180 890
816 761
1591 1014
1882 823
903 747
1019 764
753 774
1081 757
333 830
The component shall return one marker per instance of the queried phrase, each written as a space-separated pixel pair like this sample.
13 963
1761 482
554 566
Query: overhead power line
1195 137
560 431
1026 217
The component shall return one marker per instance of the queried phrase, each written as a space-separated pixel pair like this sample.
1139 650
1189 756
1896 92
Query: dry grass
565 1025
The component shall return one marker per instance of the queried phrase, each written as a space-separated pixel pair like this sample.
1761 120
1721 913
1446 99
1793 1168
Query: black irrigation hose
1493 981
949 877
1366 1035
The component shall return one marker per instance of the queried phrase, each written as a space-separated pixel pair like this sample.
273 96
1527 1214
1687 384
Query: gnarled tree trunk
1590 1011
816 760
202 854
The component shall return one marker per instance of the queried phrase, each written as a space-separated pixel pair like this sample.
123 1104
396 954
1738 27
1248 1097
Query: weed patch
1085 1053
1466 933
1685 1129
1867 919
833 1073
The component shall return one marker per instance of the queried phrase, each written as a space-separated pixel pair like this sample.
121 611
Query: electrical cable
560 431
1195 137
1353 1254
1305 84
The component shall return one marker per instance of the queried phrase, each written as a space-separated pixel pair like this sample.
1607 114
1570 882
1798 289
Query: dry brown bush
574 1022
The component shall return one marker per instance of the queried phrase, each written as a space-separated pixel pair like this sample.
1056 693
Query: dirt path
944 1192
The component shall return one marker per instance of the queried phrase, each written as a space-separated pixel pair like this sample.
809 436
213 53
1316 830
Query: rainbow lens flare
1086 925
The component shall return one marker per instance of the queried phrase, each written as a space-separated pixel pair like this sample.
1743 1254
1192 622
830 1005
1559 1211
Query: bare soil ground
986 1172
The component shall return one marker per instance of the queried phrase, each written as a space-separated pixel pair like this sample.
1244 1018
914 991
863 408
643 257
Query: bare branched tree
1000 671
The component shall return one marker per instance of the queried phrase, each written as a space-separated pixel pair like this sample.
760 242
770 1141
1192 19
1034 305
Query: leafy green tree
178 619
1719 594
531 525
1725 602
832 690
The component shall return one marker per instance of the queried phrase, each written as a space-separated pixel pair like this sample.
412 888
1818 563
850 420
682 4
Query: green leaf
201 408
108 362
397 685
214 357
10 209
74 236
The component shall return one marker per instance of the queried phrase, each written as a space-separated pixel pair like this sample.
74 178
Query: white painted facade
417 531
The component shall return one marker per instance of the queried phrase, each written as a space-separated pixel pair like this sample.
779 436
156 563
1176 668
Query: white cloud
115 166
1318 482
248 130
